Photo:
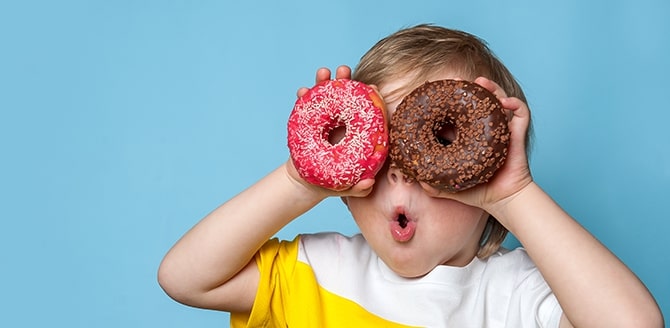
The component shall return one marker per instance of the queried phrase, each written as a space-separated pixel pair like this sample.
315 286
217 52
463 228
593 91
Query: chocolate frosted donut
473 115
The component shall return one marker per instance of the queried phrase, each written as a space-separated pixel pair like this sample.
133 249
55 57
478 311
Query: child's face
411 231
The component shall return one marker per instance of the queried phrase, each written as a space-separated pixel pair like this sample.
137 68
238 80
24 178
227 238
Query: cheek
359 208
464 212
367 218
461 220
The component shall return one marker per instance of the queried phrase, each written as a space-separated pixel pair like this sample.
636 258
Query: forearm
220 245
594 288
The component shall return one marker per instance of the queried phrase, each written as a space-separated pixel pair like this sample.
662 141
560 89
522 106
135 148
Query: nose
395 176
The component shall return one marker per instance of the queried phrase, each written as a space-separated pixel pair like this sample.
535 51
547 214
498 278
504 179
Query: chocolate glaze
482 134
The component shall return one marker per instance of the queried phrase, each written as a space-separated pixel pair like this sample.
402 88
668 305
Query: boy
450 273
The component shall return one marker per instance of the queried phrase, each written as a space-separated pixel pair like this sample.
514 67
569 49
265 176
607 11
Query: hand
323 74
514 175
363 187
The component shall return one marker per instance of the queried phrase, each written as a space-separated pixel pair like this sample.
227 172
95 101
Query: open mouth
402 221
402 228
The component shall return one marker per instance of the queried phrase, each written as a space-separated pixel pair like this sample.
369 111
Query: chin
411 273
409 270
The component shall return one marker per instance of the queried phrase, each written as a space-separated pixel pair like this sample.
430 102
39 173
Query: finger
343 72
468 197
495 89
362 188
302 91
491 86
517 106
322 74
521 116
434 192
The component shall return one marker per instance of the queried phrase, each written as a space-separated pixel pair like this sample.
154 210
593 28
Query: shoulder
510 263
511 272
318 249
330 245
513 259
332 240
530 297
333 256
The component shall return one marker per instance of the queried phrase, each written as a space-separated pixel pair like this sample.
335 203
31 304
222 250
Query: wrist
300 187
510 208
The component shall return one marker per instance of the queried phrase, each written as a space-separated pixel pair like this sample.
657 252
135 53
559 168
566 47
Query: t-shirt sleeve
533 303
275 260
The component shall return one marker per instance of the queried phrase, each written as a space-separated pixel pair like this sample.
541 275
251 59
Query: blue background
123 123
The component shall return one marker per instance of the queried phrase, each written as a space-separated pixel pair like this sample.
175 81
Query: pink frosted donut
332 105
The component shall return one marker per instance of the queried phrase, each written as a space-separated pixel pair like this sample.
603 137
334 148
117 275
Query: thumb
362 188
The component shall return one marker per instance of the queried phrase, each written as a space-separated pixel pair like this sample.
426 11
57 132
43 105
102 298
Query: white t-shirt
335 280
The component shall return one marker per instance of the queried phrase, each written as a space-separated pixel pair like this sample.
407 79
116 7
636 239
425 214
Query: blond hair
421 51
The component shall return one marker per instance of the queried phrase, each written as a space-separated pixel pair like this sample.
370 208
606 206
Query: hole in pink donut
335 134
446 134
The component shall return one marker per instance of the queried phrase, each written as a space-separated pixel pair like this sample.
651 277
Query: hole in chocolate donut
335 134
446 134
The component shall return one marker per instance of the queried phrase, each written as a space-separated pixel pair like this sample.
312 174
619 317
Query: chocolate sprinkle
482 135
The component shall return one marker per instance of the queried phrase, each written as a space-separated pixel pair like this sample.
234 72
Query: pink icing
359 154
